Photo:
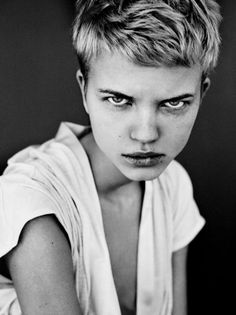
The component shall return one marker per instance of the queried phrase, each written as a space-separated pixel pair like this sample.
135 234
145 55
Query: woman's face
141 117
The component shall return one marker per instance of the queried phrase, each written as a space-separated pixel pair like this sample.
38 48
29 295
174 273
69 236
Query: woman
98 219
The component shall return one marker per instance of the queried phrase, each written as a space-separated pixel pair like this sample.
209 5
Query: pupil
174 103
117 99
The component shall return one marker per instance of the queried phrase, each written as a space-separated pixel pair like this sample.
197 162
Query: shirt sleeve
20 202
187 221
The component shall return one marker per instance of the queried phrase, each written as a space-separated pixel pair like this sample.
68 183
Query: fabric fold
60 170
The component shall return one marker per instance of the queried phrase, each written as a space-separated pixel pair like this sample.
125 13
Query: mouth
144 159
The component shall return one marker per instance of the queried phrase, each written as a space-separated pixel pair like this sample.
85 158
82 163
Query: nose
145 129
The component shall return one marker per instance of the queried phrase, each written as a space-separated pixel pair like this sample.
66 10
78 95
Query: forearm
179 282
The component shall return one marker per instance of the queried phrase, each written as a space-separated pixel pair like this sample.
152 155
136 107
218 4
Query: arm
41 269
179 282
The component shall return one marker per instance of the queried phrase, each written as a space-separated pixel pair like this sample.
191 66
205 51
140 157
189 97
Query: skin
144 124
179 260
40 265
41 269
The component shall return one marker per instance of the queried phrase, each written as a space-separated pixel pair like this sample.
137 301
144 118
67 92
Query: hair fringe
149 32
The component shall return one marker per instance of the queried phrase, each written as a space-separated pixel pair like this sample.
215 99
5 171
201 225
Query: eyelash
126 102
118 106
111 100
177 108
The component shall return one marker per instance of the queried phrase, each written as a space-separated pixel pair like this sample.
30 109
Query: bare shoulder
41 269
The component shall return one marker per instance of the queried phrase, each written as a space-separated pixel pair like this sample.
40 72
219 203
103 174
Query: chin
144 174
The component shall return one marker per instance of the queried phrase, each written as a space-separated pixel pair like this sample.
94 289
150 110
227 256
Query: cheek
181 134
105 124
106 133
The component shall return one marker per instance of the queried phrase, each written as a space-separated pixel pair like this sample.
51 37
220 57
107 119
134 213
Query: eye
175 104
117 101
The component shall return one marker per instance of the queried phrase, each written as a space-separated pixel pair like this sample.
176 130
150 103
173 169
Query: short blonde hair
149 32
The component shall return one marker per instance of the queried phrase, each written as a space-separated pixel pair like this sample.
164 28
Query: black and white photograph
117 157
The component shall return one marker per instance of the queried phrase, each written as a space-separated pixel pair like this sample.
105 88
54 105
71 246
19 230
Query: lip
142 154
144 159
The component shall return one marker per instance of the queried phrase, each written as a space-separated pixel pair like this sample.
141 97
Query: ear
82 85
206 83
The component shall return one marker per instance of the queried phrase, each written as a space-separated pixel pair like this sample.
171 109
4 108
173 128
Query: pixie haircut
148 32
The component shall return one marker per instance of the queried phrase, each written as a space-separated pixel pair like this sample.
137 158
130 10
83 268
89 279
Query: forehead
116 71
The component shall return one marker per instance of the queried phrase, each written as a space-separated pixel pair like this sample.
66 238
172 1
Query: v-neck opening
144 209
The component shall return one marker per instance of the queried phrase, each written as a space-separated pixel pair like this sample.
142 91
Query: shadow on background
38 90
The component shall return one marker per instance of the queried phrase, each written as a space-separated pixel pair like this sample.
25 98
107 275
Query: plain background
38 90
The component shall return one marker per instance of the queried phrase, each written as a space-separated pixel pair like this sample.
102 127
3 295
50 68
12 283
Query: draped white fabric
60 170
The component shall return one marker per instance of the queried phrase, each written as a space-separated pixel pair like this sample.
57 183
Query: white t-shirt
56 178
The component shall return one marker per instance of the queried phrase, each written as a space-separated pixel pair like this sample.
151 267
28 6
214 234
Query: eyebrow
108 91
172 99
179 97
